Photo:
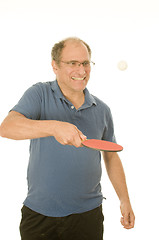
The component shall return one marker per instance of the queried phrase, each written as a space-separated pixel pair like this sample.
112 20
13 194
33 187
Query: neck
77 98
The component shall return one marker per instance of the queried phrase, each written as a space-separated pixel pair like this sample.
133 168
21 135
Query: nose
81 69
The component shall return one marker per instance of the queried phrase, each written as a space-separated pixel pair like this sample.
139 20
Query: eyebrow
78 61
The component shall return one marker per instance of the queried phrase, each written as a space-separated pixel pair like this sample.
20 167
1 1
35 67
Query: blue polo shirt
63 180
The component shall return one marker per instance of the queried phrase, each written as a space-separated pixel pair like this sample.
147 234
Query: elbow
7 127
5 130
8 131
2 131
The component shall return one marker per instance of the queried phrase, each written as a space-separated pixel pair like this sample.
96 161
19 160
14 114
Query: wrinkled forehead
74 50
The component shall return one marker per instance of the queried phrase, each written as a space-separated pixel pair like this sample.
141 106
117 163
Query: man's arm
117 177
16 126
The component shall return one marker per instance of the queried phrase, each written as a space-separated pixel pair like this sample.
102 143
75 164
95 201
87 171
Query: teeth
78 79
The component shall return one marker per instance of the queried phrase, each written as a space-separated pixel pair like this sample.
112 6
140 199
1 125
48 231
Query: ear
54 66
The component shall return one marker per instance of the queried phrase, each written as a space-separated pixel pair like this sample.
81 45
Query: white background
115 30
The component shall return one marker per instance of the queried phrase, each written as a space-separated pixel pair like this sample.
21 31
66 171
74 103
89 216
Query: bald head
58 47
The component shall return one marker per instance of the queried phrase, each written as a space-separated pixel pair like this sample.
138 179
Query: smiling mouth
78 79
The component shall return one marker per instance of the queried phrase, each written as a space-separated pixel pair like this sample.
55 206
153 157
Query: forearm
116 175
18 127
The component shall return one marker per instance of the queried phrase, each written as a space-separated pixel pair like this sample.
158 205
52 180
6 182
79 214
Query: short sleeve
30 103
108 134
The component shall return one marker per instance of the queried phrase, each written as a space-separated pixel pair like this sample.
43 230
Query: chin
79 85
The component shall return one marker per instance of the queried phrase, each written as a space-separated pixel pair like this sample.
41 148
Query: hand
68 134
128 218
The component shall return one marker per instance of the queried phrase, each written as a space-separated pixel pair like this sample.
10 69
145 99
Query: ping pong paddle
102 145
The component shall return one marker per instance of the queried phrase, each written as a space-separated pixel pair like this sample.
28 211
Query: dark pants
83 226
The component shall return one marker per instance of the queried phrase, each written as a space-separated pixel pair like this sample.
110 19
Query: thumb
82 136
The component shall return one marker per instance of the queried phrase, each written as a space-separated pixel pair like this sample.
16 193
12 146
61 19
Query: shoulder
101 104
39 88
42 85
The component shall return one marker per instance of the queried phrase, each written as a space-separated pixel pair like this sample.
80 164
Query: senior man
64 199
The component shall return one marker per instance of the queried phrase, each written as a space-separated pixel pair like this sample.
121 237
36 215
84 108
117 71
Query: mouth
78 79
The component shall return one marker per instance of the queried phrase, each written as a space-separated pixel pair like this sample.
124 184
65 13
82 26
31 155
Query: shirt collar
57 91
89 99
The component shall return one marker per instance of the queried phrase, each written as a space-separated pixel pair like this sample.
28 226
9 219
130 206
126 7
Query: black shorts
83 226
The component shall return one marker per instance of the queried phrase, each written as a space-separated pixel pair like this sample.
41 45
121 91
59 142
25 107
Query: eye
86 63
73 63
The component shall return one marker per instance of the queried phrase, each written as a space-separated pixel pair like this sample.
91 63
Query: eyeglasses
76 64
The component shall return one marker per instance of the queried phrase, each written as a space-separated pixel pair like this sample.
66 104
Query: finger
77 138
82 136
129 226
126 219
132 220
122 221
77 141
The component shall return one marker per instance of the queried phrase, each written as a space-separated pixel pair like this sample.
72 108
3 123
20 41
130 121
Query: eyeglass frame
79 63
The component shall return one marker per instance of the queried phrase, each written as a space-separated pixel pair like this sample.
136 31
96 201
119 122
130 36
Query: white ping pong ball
122 65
